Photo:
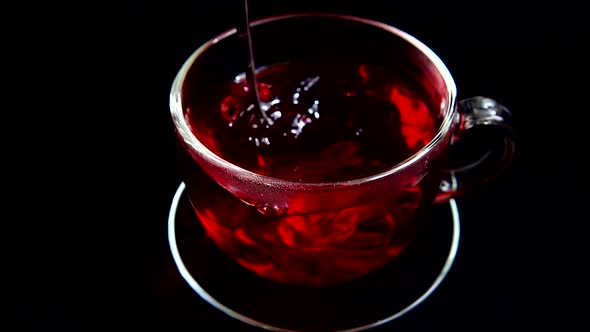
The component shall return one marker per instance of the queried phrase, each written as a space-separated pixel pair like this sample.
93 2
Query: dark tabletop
96 253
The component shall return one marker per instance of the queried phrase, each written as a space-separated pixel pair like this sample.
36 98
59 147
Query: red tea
316 122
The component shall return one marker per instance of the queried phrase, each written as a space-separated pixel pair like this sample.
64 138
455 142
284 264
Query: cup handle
482 147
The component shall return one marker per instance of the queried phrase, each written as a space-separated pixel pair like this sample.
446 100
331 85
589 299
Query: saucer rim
187 276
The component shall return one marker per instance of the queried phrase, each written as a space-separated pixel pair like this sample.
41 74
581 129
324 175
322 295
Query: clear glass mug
323 233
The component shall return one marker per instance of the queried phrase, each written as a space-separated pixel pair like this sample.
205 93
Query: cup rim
182 128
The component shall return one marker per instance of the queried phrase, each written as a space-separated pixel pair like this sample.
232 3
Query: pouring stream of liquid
251 72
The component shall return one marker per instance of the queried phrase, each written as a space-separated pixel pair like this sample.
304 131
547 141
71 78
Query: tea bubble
271 211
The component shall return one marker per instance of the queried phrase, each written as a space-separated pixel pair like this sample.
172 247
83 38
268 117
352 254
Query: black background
99 170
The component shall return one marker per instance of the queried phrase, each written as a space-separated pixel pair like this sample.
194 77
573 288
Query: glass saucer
376 299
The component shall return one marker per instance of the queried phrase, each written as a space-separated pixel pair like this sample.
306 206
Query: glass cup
340 215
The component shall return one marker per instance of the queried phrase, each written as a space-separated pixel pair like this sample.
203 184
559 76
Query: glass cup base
373 300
